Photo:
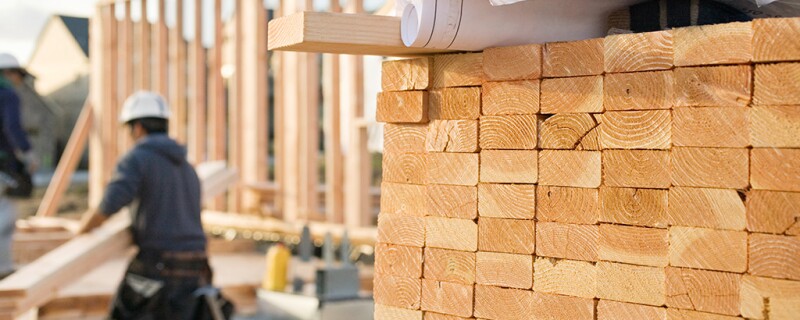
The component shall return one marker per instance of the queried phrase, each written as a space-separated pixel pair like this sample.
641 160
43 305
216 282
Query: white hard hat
8 61
144 104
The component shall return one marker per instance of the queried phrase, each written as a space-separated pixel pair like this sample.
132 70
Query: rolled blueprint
474 25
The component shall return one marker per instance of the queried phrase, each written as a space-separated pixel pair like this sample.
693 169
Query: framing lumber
565 168
342 33
462 103
576 58
409 74
613 310
572 95
772 211
627 283
712 127
567 241
403 107
452 136
499 303
637 207
708 208
650 129
710 167
397 260
638 52
449 298
766 298
680 314
447 233
510 97
511 201
197 142
565 131
772 39
509 166
449 265
394 313
567 205
458 70
515 132
98 96
504 270
700 290
552 306
403 199
567 277
513 63
406 168
506 235
127 76
404 138
775 126
452 168
178 68
722 86
728 43
401 229
637 168
774 85
775 169
439 316
161 74
451 201
774 256
216 95
634 245
401 292
334 156
638 91
145 52
708 249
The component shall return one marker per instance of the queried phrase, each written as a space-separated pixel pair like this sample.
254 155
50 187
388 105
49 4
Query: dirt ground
73 203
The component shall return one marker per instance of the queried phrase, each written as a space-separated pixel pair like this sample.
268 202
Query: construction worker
13 145
171 263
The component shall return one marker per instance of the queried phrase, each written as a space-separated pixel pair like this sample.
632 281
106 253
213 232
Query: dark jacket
13 137
157 175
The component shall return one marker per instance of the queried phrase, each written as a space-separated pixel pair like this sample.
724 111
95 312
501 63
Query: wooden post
197 111
122 139
216 96
289 183
145 38
161 74
234 110
334 171
308 125
178 89
100 94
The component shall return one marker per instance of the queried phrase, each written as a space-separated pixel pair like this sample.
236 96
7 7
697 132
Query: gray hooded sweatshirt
166 215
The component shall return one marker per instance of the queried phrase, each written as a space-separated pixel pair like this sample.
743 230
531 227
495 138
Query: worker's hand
90 220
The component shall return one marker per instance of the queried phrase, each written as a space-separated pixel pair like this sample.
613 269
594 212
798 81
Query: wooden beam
121 140
145 53
216 91
161 73
344 33
177 95
234 124
197 142
334 159
100 96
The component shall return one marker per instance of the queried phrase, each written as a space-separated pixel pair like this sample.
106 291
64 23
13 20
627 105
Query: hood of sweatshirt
165 146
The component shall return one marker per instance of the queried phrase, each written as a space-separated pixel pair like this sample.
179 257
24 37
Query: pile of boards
640 176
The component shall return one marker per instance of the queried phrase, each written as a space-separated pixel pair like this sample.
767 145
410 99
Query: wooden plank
198 102
630 206
766 298
612 310
708 249
513 63
709 291
724 86
452 136
679 314
636 168
394 313
711 127
401 292
404 167
772 39
455 103
509 166
710 167
575 58
706 208
401 229
567 205
161 55
772 212
775 126
774 256
551 306
512 201
403 107
728 43
403 199
448 265
98 96
627 283
569 168
448 233
504 270
439 316
396 260
515 132
452 168
506 235
775 169
774 84
510 97
638 91
458 70
591 141
634 245
408 74
650 129
178 69
216 93
499 303
451 201
638 52
566 277
343 33
144 49
334 156
567 241
566 130
404 138
572 95
449 298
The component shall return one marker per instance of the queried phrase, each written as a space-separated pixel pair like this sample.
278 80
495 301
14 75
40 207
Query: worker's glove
31 161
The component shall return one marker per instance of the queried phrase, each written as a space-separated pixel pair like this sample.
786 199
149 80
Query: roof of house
79 28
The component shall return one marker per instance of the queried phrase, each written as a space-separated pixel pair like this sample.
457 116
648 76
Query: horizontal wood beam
343 33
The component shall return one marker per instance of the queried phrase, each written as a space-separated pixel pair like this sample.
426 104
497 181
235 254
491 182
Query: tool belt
172 265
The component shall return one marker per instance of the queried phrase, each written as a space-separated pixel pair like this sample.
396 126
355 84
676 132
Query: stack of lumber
640 176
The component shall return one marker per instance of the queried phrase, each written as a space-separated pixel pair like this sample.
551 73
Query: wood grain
766 298
504 270
404 167
401 292
636 168
728 43
445 297
634 245
567 241
710 167
650 129
407 74
449 265
399 198
575 58
513 63
455 104
565 131
402 107
499 303
401 229
572 95
772 211
457 70
452 136
776 84
513 132
773 39
724 86
552 306
509 166
591 141
510 97
638 91
397 260
775 169
613 310
627 283
706 208
774 256
439 316
567 277
708 249
709 291
452 168
679 314
638 52
452 201
569 168
567 205
394 313
404 138
506 235
513 201
775 126
455 234
630 206
711 127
